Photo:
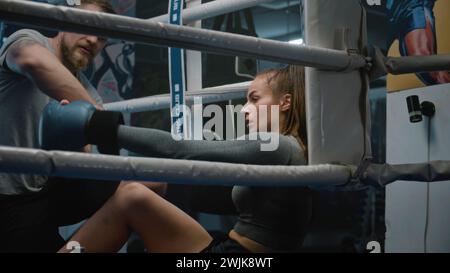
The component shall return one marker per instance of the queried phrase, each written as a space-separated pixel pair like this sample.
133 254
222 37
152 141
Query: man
34 70
413 24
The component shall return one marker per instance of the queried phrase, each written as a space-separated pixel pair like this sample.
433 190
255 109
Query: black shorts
26 225
29 223
224 246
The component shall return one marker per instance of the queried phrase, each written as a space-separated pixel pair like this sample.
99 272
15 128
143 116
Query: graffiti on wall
112 70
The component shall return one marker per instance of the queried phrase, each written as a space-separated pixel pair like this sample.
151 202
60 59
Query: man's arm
41 66
422 42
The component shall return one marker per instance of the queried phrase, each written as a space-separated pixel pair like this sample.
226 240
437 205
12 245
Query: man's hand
97 106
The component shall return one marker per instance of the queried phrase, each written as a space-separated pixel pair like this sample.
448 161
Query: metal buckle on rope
359 175
355 58
344 42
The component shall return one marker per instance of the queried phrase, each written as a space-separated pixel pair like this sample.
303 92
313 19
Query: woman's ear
285 102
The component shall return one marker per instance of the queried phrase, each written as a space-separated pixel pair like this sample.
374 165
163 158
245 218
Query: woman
270 219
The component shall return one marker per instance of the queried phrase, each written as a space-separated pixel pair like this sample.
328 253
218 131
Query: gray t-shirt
21 104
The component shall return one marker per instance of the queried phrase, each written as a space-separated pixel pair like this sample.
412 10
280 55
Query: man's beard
73 60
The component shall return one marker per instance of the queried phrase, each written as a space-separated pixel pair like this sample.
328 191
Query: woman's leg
162 226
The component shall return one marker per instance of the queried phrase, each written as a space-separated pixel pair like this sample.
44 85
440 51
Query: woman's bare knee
132 196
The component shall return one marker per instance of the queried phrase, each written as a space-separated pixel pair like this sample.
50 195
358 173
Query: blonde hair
291 80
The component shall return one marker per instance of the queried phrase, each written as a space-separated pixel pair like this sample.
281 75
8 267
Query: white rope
157 102
212 9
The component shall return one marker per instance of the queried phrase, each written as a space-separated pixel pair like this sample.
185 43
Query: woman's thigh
161 225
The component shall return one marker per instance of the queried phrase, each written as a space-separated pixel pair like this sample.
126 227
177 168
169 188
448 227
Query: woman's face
260 100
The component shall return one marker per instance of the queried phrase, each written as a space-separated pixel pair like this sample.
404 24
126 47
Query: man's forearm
57 82
48 73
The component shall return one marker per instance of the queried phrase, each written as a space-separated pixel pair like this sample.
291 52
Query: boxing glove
72 126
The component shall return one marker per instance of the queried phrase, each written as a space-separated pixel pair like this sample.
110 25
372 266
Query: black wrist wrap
102 131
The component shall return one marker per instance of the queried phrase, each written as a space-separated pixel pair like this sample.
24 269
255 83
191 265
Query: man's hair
105 5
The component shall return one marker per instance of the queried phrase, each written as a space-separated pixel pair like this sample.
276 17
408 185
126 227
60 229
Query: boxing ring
339 66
